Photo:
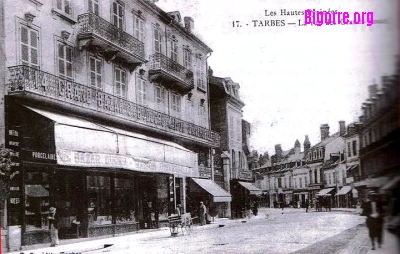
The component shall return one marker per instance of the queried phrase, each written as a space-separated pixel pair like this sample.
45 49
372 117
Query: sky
294 78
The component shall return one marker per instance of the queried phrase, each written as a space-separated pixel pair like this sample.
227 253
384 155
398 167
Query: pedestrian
203 212
248 210
178 209
373 209
307 205
255 208
53 226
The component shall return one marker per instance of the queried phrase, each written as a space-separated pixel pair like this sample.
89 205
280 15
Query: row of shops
344 196
102 180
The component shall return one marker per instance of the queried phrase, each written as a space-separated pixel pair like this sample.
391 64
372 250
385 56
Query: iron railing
90 23
27 79
160 62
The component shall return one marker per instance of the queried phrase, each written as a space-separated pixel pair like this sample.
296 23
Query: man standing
307 205
372 208
203 212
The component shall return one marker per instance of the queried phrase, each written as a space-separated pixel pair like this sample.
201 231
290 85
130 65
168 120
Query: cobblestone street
294 231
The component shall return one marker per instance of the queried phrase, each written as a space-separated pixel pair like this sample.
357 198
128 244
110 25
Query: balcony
98 34
173 75
44 87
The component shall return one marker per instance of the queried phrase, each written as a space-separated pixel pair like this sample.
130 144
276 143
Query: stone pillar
227 177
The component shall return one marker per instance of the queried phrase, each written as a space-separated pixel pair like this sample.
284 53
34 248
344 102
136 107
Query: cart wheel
189 227
174 230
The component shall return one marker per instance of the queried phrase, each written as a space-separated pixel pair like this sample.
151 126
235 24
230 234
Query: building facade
107 108
379 136
231 165
292 177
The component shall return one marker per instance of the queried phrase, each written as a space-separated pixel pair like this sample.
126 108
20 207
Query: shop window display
36 200
162 196
99 201
124 201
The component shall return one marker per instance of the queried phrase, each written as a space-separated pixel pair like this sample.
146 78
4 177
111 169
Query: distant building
380 136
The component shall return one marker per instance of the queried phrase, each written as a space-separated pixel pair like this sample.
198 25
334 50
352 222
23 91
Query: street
269 232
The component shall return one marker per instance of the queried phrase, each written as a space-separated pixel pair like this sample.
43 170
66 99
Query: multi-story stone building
231 166
107 106
320 155
293 177
352 153
380 132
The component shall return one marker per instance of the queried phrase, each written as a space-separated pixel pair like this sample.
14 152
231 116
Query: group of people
202 212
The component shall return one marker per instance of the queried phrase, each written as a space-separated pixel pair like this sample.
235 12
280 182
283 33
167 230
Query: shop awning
377 182
324 192
344 190
391 184
219 194
36 191
82 143
251 188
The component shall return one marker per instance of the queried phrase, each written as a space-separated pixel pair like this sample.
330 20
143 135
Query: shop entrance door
147 201
69 201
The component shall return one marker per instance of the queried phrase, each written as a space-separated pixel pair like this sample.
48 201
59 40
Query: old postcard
230 126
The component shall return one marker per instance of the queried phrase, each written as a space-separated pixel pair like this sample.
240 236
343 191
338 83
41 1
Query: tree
6 171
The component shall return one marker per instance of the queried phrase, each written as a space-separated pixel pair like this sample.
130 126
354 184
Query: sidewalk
361 243
97 245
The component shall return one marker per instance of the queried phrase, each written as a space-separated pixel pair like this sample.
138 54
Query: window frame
29 46
91 4
125 85
187 58
173 50
139 29
63 6
141 88
161 100
200 73
96 59
176 104
120 18
354 146
159 49
65 46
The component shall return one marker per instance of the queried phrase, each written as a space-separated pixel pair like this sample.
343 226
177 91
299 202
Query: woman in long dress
53 226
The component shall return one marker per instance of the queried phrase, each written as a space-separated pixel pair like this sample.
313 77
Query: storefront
325 198
214 197
102 180
299 198
345 197
243 194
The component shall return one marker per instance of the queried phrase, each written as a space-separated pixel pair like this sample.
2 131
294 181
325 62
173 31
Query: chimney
372 89
324 131
342 128
278 151
189 23
306 144
297 147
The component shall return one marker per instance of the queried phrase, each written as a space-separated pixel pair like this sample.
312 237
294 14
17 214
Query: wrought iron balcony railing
26 79
171 71
92 26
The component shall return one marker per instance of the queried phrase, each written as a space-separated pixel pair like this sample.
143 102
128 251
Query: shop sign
85 159
314 187
13 141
